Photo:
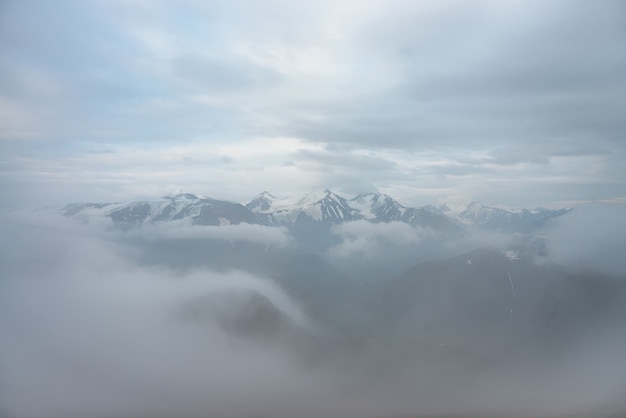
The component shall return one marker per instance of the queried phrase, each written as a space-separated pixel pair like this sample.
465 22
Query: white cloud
363 238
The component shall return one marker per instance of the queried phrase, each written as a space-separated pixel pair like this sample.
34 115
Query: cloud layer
91 328
518 103
592 237
88 333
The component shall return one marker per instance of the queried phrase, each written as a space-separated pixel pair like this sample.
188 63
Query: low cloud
382 250
590 237
88 333
255 234
363 238
91 330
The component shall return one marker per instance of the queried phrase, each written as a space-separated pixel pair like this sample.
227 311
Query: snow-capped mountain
379 207
329 207
323 208
262 203
521 220
201 210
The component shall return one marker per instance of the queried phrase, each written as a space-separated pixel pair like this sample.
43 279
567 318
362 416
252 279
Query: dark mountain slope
493 308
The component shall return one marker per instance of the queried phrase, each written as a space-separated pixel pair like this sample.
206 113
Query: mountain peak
362 196
261 203
309 198
183 196
377 206
444 208
327 193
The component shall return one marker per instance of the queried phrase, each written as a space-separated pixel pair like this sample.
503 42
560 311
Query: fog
87 333
366 238
591 237
92 327
382 250
256 234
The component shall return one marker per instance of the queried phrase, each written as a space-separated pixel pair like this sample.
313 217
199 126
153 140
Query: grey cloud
547 189
457 170
256 234
346 160
524 75
366 239
541 153
522 82
382 250
345 168
591 237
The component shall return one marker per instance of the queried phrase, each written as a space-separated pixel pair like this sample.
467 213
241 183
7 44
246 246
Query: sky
518 103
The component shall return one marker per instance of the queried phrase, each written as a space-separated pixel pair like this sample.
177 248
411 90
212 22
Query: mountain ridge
315 208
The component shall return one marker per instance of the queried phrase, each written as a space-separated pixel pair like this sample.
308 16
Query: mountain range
314 209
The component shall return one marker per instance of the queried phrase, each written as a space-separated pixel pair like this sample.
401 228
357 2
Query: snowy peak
261 203
335 208
378 207
200 210
476 213
184 196
318 197
312 198
444 208
376 200
324 206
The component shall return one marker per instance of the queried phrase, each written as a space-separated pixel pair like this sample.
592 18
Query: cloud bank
89 333
591 237
89 330
254 234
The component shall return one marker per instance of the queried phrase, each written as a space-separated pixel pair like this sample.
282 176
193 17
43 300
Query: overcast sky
518 102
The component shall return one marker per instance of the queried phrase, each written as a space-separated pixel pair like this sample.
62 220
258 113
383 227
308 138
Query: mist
591 237
371 251
87 333
91 326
